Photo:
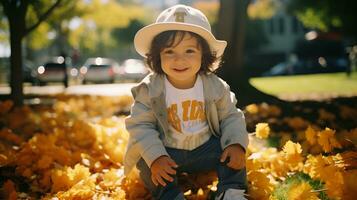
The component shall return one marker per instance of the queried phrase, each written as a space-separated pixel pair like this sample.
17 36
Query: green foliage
4 27
38 38
126 35
273 141
4 34
313 19
327 15
94 35
57 23
281 191
95 21
65 11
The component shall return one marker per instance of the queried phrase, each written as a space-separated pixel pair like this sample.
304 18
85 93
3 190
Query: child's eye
168 52
190 51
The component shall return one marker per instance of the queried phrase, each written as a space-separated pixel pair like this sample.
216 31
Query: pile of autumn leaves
74 149
308 166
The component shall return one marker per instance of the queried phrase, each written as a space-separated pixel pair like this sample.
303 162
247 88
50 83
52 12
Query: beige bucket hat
178 17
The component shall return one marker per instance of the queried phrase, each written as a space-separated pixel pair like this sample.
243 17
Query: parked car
132 70
99 70
29 73
56 70
309 57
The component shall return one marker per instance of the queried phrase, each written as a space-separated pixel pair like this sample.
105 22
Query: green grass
337 84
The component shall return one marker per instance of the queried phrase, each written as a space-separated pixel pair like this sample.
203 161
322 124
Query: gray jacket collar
156 86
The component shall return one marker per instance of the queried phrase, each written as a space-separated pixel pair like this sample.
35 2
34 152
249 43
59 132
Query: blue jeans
204 158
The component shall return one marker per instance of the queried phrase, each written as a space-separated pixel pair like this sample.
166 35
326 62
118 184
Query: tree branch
42 18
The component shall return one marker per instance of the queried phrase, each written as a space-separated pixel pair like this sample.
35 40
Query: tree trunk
231 27
16 77
16 18
16 13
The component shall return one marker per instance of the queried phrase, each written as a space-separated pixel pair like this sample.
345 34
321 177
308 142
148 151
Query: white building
282 32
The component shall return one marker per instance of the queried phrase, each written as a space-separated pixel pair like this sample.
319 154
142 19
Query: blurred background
67 68
78 42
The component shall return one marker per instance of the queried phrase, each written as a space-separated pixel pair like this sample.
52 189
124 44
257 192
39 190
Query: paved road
117 89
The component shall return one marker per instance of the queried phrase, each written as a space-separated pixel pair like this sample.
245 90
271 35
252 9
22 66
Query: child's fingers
166 176
160 180
236 163
154 180
241 163
170 170
233 163
224 156
172 163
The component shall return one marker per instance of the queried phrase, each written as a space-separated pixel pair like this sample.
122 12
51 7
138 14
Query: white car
132 69
99 70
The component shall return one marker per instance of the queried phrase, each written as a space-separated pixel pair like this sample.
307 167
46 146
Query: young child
184 117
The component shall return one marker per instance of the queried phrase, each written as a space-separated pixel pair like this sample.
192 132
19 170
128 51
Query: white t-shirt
186 116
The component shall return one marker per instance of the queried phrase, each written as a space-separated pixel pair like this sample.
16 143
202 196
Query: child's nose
179 57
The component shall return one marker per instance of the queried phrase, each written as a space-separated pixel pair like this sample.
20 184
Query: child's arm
232 120
142 127
234 138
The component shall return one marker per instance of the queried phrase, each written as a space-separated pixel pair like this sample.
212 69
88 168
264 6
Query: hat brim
144 36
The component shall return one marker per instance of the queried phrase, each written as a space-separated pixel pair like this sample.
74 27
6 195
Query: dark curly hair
167 39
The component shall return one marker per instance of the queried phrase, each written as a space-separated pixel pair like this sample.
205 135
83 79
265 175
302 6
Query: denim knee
229 178
169 192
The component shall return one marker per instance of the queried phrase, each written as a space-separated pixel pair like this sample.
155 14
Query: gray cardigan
148 123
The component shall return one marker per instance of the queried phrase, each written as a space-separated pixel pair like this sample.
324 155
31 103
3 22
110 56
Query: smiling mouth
180 70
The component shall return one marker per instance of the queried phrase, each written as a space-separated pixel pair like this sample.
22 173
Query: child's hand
161 169
236 156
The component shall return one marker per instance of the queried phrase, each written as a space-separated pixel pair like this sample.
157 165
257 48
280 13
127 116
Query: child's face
182 61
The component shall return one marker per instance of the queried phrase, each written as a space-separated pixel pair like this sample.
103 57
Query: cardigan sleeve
231 119
142 127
